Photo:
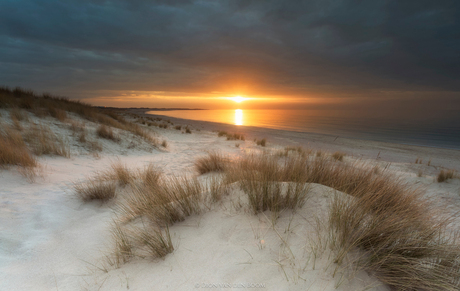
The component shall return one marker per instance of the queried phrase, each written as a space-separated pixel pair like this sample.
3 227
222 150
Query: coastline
359 148
50 233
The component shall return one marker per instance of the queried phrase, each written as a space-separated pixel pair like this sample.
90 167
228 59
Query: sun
238 99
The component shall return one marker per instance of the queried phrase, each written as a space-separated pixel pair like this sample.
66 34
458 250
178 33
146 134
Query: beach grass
444 175
95 189
213 162
106 132
13 150
43 141
58 107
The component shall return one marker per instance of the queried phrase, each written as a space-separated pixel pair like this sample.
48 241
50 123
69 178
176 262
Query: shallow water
437 131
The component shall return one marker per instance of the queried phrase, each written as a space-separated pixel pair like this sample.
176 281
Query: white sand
50 240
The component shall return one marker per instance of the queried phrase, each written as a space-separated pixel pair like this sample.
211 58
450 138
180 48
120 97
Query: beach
51 240
390 152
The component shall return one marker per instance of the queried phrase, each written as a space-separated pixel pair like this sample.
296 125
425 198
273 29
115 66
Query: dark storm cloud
274 47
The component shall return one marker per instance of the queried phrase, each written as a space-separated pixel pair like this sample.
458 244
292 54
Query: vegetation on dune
13 150
338 156
444 175
95 189
231 136
22 139
213 162
261 142
106 132
57 107
384 226
381 224
43 141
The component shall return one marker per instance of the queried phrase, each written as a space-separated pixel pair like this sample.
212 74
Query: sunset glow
238 99
238 117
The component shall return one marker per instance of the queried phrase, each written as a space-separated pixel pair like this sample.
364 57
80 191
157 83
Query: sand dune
51 240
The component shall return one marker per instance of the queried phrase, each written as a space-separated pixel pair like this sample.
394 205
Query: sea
441 130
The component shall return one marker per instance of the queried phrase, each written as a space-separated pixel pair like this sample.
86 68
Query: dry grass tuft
222 133
141 241
155 241
216 188
338 156
120 173
59 114
261 142
18 114
107 133
420 173
82 137
16 123
444 175
164 143
261 177
123 248
392 232
150 176
44 142
95 189
77 127
13 150
164 201
236 136
177 127
231 136
214 162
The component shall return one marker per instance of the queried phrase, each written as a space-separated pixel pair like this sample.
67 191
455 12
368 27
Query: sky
370 55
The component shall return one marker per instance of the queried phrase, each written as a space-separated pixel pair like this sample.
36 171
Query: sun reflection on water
238 117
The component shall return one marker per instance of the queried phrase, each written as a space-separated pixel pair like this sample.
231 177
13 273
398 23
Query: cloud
273 48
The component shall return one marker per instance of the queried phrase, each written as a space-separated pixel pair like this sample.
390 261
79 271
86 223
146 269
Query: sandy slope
50 240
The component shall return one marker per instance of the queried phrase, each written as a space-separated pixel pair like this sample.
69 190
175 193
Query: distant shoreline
146 108
380 150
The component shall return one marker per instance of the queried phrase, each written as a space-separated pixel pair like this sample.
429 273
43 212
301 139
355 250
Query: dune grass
397 236
155 241
261 142
338 156
236 136
13 150
171 200
123 245
231 136
383 226
59 114
261 177
139 241
149 176
214 162
157 202
106 132
59 107
43 141
18 114
445 175
95 189
119 172
215 188
102 186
